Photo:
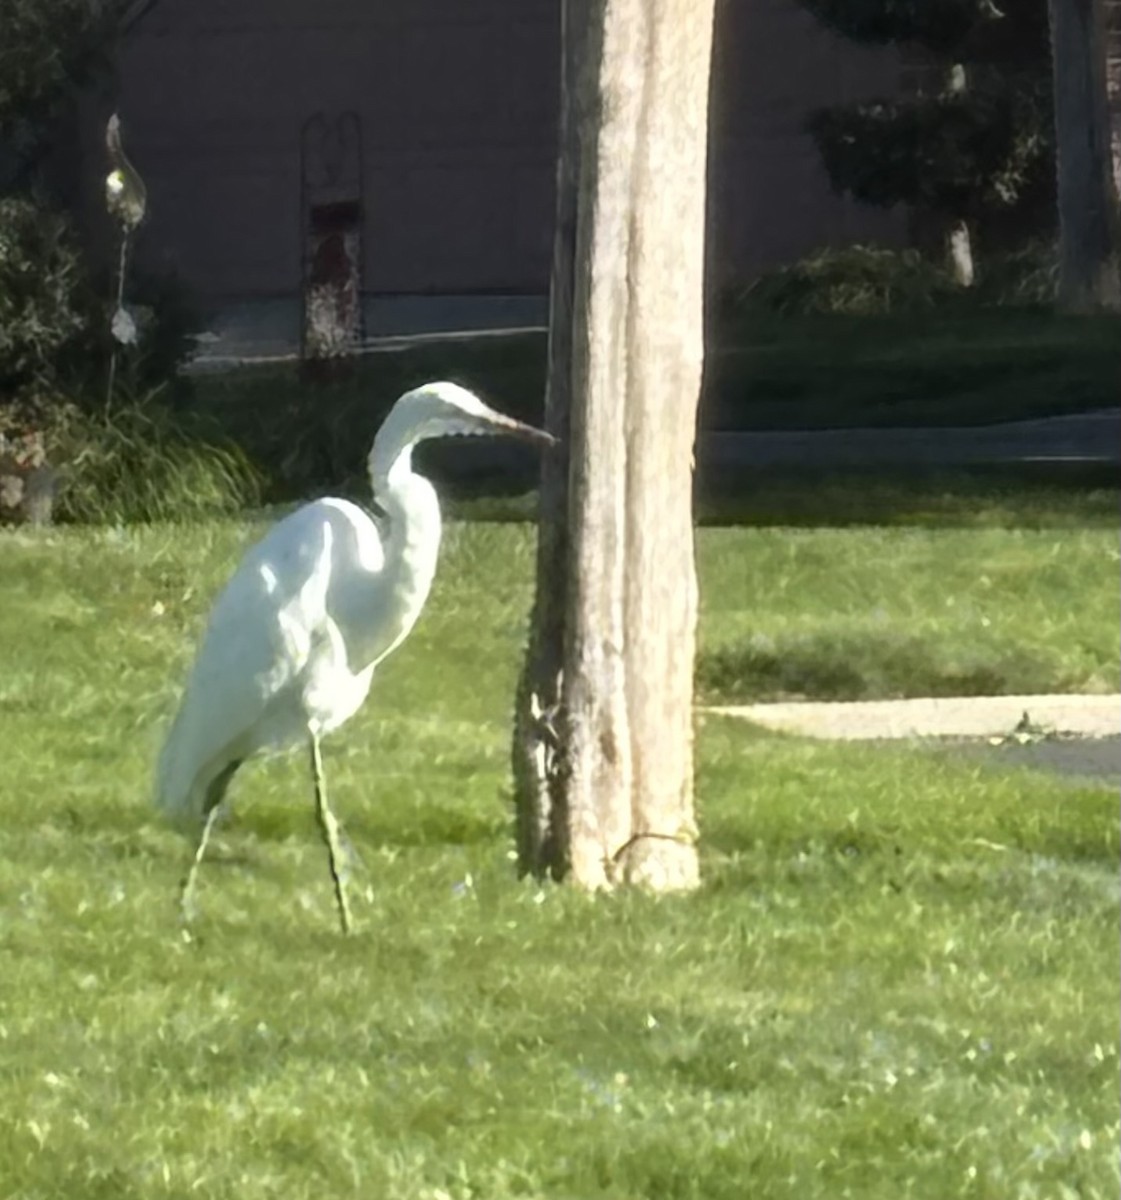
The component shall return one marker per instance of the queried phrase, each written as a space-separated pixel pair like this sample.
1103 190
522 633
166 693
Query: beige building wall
458 102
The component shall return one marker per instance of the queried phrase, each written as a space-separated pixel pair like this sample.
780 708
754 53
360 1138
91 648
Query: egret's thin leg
186 895
329 827
352 860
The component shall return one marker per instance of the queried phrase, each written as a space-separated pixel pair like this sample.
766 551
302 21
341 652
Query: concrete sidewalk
1074 736
958 717
264 331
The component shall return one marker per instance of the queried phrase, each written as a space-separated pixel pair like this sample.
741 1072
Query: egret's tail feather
186 791
216 790
180 803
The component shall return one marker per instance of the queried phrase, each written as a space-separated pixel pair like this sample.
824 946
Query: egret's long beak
524 433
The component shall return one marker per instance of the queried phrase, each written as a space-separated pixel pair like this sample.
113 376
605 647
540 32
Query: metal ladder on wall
332 327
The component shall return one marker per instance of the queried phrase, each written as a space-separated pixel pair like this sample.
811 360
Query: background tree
973 144
603 745
55 324
1113 82
1089 243
48 51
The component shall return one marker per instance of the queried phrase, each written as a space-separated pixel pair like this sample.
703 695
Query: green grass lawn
948 368
880 613
945 368
844 587
900 977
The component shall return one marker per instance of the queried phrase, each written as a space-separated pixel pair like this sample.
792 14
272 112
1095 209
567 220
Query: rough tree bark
1113 82
959 240
603 731
1089 224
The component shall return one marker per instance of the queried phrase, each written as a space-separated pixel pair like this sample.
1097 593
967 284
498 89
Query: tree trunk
542 832
603 747
959 250
959 239
1113 83
1087 196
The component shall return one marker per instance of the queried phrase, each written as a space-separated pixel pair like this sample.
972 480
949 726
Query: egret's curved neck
411 505
412 537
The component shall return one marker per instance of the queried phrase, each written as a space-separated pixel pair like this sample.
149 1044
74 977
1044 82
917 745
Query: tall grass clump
70 452
878 281
1027 277
139 460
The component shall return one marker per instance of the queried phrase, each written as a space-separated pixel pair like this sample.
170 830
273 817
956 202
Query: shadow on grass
1025 496
428 824
863 666
1031 496
945 367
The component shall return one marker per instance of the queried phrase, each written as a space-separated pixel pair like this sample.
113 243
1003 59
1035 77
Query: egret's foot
188 910
188 903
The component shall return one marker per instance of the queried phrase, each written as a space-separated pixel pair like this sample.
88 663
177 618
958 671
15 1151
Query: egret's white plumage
293 640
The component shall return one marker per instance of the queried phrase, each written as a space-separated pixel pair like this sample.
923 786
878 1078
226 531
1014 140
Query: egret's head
445 409
437 410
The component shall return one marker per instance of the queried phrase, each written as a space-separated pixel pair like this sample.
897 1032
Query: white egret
292 642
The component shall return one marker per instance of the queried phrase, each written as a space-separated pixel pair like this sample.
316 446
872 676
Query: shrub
853 281
1028 276
875 281
137 459
45 303
26 479
141 461
168 335
970 145
971 30
48 46
960 153
167 317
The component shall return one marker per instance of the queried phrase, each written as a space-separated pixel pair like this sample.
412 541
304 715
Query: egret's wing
240 695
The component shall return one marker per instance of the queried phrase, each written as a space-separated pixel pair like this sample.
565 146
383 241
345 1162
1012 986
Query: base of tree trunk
657 863
959 245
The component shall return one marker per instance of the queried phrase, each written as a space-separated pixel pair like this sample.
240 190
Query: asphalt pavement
1093 437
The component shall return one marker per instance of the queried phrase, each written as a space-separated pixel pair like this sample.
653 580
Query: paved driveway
1093 437
1079 758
